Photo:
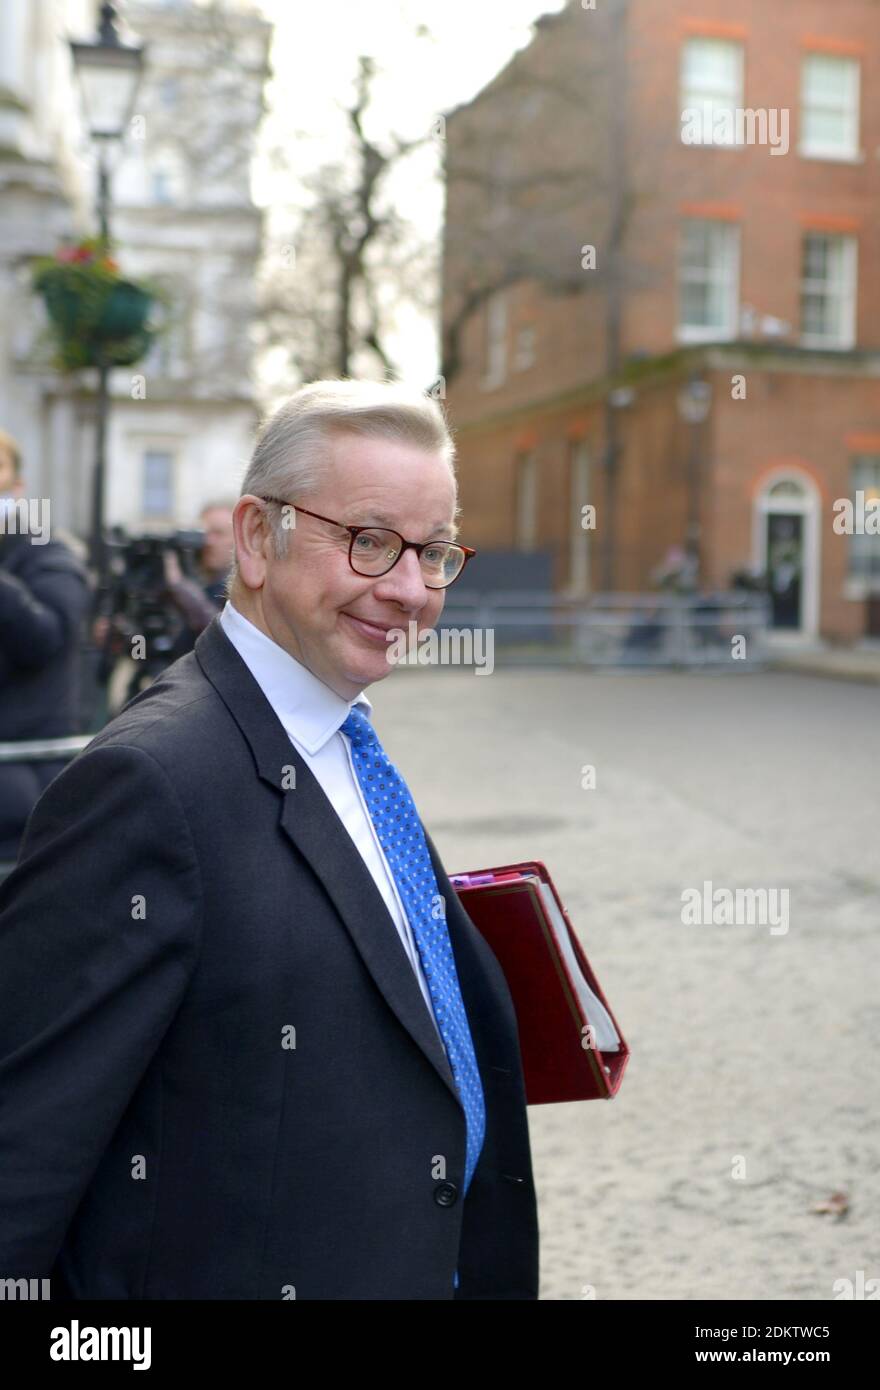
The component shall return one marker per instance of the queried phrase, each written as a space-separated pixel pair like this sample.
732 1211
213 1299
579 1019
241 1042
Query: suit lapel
308 819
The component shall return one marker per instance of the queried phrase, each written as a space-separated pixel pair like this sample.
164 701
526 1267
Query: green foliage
97 315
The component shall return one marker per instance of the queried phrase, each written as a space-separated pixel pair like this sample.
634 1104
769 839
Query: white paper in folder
606 1036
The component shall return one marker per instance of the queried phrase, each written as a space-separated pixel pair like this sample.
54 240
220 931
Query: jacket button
445 1194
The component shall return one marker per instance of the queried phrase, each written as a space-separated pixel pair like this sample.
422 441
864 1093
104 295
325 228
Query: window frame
863 542
524 357
152 518
847 341
526 500
702 333
496 328
810 150
687 103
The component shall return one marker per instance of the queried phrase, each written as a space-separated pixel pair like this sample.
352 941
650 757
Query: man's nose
405 583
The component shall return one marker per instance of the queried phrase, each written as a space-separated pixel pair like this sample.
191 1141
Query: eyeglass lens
375 551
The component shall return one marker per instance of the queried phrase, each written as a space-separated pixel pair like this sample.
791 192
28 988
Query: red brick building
662 299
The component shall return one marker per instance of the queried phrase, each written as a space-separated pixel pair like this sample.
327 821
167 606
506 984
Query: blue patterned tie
401 836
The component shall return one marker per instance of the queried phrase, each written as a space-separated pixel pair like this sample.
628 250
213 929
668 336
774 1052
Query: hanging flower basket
97 316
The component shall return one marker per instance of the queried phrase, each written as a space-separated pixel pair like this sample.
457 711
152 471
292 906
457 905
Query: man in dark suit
251 1045
44 597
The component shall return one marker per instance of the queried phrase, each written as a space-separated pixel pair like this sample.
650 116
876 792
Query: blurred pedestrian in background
44 597
198 602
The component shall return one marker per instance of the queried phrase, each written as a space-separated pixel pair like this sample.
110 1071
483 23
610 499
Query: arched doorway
786 549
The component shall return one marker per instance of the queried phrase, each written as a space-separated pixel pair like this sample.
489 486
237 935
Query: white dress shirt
311 714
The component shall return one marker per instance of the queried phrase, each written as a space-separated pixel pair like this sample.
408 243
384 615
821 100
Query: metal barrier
43 750
724 629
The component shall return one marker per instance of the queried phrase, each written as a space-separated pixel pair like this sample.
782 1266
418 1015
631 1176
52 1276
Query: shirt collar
309 710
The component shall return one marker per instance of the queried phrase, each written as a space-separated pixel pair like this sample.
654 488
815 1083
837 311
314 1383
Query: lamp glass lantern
109 73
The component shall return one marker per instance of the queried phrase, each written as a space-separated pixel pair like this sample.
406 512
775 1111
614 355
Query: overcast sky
314 57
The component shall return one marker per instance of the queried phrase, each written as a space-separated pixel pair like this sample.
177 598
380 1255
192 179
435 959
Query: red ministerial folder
571 1046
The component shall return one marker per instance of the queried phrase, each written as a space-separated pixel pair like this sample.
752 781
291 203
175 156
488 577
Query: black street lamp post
109 72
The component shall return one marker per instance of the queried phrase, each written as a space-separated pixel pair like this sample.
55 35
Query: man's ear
253 540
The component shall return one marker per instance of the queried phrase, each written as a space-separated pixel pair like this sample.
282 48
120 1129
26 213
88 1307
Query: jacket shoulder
53 555
177 720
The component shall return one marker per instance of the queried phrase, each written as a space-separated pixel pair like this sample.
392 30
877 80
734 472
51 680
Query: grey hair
291 450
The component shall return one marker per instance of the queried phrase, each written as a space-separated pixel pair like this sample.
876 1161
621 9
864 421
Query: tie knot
358 726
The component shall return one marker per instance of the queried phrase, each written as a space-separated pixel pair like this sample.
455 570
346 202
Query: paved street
750 1049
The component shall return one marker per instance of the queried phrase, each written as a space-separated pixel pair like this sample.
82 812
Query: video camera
135 595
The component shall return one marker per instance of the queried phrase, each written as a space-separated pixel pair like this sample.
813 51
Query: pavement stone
747 1047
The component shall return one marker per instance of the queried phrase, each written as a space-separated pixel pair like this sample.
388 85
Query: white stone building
181 420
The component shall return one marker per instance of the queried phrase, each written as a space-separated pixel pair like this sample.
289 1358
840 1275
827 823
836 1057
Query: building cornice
652 372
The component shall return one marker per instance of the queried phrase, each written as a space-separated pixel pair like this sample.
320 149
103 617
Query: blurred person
677 571
197 602
231 948
44 598
191 603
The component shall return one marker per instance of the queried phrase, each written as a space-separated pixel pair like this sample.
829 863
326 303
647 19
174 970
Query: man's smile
376 631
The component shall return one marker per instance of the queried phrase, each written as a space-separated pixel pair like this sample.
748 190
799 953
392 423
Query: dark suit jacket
44 594
164 1133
